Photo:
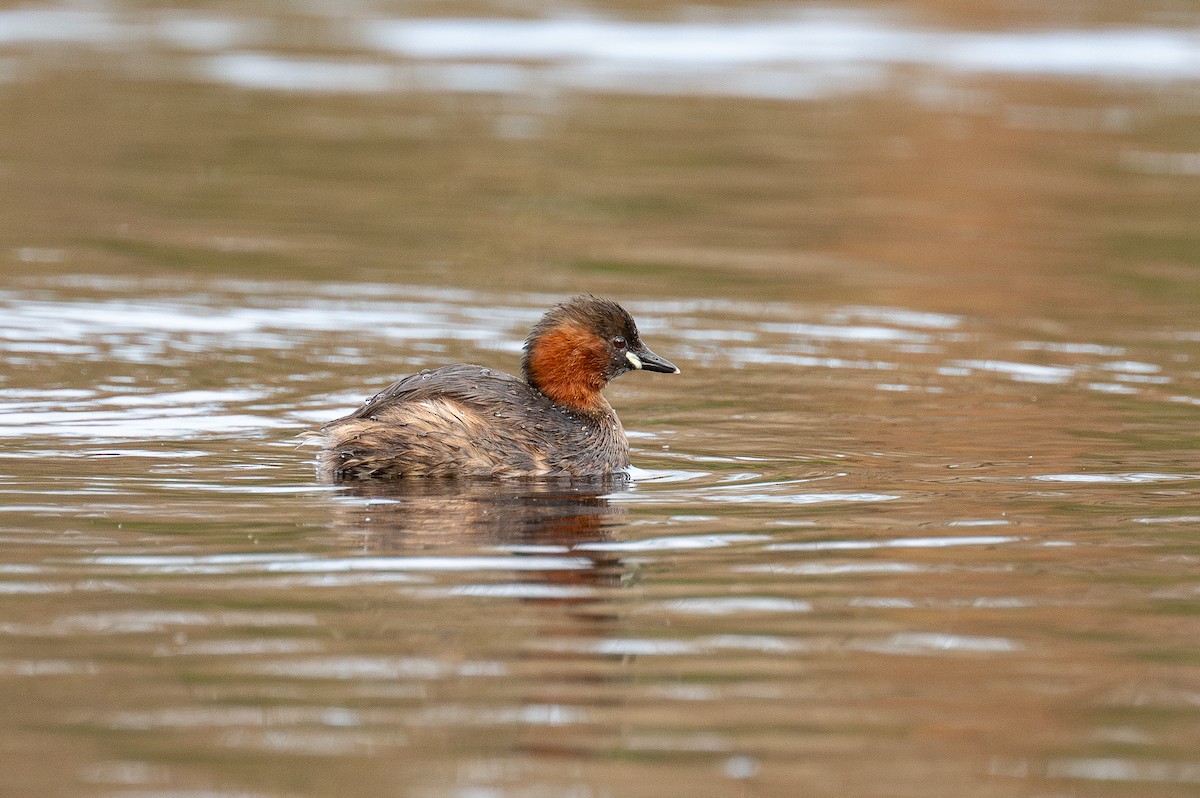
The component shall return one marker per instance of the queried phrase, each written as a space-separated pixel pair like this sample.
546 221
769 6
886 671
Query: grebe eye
618 342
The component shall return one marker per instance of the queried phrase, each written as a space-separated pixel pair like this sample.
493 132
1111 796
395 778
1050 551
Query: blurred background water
919 518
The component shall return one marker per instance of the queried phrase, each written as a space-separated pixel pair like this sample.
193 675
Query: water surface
918 518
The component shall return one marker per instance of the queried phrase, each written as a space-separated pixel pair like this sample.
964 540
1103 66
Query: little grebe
473 421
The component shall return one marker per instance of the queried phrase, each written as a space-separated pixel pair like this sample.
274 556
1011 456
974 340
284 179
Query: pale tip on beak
646 360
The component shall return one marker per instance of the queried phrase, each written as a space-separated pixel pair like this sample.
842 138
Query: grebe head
578 346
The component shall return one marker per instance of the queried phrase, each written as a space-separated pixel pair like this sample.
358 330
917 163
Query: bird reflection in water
391 515
407 515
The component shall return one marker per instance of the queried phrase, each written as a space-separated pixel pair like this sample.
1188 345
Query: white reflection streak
1113 769
47 667
1130 479
1023 372
821 39
896 543
519 591
835 569
828 332
531 714
239 648
732 606
929 642
263 71
160 620
803 55
228 564
309 742
798 498
217 717
378 668
672 543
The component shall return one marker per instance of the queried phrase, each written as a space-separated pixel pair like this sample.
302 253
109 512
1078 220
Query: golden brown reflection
388 516
410 515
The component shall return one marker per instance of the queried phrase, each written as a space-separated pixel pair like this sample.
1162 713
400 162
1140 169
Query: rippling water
771 53
776 589
918 518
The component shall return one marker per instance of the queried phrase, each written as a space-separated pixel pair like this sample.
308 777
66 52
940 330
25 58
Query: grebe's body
471 421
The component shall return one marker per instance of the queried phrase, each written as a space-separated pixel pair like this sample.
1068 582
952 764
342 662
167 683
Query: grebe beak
647 360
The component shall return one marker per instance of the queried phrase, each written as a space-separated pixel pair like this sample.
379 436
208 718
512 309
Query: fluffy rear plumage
469 421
